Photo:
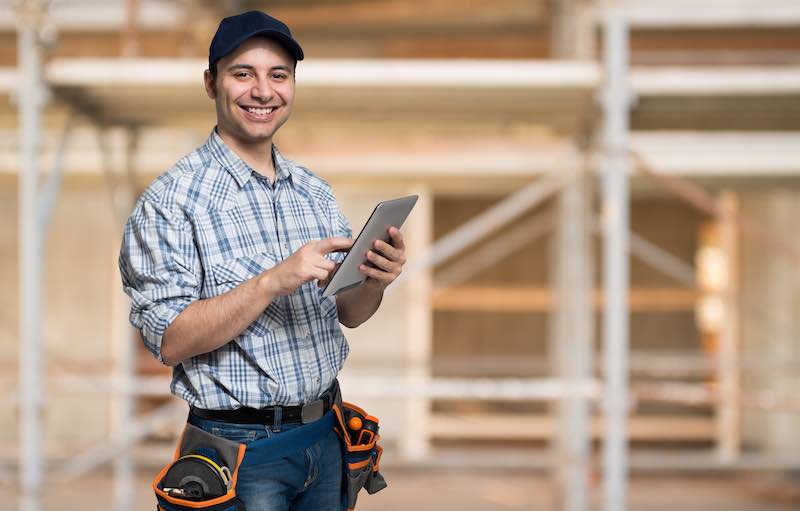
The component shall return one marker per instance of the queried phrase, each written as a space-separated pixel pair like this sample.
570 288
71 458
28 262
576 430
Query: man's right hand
307 264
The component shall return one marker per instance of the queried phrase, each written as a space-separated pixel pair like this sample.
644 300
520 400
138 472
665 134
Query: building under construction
603 275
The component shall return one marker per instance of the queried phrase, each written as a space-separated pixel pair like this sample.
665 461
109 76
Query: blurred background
564 152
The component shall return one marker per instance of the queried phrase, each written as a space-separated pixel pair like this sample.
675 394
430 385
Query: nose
262 90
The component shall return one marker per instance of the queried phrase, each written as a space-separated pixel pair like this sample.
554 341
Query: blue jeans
310 479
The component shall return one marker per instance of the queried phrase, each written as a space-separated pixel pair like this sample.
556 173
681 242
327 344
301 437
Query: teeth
260 111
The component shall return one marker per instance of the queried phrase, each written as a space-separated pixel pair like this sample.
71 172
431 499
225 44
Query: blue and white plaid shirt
202 228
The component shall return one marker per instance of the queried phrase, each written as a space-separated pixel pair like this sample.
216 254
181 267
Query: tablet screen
386 214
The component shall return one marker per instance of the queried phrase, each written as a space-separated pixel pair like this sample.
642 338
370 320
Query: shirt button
286 246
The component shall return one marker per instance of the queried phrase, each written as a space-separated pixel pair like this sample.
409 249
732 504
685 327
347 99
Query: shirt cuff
154 321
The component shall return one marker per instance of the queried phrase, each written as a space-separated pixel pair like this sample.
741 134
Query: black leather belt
298 414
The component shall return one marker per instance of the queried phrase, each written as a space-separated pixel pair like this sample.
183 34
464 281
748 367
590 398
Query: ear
208 82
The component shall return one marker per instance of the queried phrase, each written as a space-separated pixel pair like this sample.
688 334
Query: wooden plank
368 16
539 427
533 299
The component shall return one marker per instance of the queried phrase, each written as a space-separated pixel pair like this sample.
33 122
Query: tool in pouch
202 475
359 434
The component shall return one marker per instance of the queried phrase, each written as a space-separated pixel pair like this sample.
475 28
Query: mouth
259 113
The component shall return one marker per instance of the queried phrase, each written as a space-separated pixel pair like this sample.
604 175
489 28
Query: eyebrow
248 67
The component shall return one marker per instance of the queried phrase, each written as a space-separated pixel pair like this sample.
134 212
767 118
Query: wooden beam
539 299
409 16
657 14
670 428
728 413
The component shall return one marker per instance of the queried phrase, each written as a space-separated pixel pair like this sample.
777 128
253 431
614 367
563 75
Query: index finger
333 244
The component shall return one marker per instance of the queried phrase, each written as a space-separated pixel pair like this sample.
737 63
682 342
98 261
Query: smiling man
224 257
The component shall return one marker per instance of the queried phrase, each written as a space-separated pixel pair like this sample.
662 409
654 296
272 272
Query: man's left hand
388 260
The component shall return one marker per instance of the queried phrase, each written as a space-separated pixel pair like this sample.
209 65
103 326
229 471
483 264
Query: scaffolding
565 170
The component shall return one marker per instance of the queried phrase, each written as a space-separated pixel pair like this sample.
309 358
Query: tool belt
205 467
202 474
204 471
362 452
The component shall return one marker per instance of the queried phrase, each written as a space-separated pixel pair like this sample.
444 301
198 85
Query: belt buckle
312 411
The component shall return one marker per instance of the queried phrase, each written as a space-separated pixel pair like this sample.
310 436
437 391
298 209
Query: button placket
307 376
308 360
271 193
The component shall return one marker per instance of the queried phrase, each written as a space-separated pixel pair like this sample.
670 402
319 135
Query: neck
257 155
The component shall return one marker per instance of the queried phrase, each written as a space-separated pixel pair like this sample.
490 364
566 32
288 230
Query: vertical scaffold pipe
616 101
30 96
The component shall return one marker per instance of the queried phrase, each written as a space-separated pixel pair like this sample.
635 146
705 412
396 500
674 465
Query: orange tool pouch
202 475
362 453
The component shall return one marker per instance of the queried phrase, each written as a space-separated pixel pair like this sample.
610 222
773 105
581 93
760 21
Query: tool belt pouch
362 450
202 475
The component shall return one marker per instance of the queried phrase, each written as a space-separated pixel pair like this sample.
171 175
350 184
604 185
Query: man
224 257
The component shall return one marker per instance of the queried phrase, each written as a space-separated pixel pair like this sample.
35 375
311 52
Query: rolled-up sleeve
160 268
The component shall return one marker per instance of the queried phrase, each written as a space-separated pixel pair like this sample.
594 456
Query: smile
258 112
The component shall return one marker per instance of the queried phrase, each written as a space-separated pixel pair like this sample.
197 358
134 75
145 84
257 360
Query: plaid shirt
202 228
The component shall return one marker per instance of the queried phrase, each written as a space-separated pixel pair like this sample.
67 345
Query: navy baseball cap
234 30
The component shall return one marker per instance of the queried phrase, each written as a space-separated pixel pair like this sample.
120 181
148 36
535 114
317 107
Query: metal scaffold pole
615 259
571 350
123 405
30 98
572 320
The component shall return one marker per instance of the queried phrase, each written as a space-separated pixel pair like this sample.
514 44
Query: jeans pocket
238 434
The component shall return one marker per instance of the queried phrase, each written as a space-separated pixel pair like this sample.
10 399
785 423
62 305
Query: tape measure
196 477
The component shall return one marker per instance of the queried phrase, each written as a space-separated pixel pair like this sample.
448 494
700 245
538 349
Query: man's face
253 91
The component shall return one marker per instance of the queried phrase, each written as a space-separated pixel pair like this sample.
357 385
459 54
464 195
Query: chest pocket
327 307
232 272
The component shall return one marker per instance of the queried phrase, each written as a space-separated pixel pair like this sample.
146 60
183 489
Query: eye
278 76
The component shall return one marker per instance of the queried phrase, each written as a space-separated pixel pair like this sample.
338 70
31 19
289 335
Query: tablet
386 214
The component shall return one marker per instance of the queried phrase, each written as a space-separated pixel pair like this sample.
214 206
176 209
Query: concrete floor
470 490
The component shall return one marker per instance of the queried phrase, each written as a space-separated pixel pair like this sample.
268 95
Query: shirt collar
238 169
282 165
